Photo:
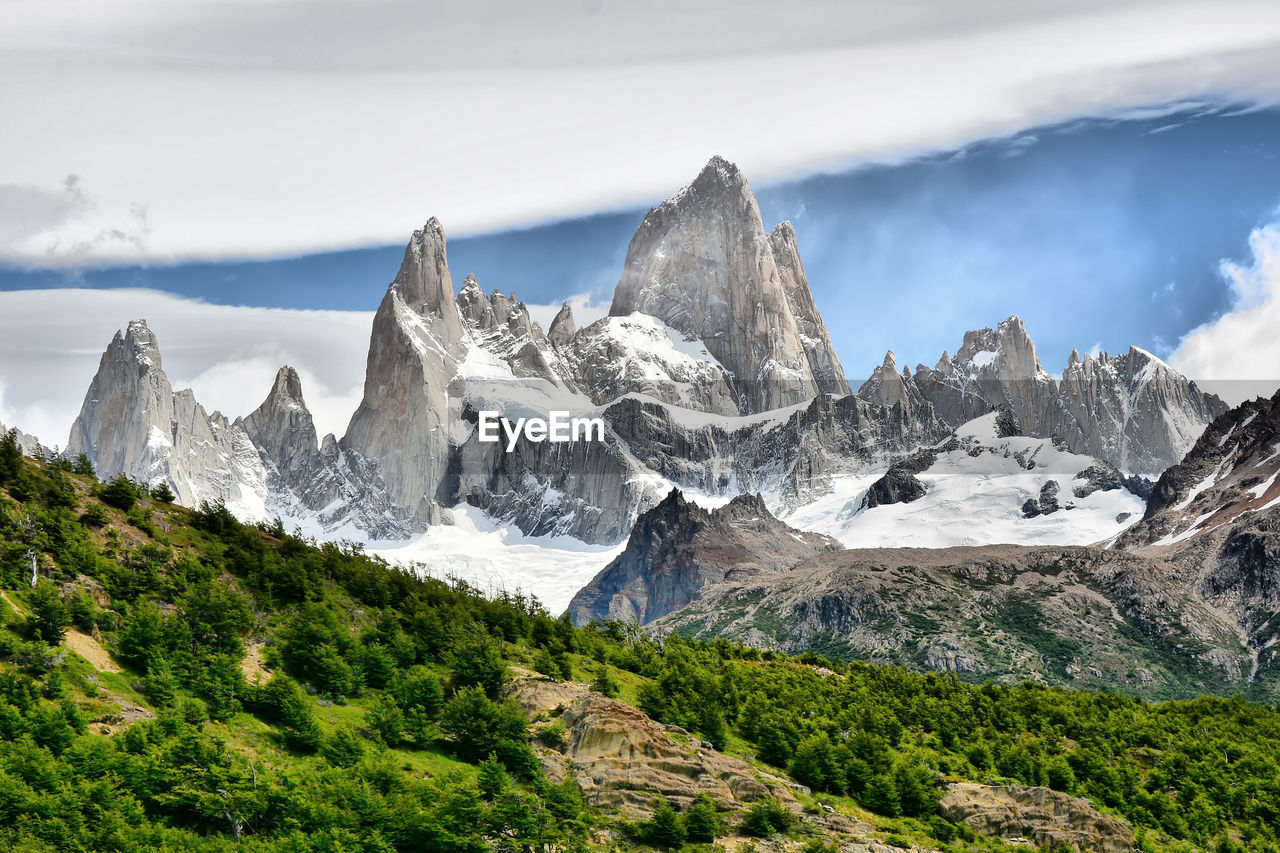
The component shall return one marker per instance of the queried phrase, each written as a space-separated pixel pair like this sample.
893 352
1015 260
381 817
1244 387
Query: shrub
121 493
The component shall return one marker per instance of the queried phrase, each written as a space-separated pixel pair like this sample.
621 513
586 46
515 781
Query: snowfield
496 557
975 500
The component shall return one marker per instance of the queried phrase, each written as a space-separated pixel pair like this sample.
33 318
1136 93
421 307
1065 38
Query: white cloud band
211 130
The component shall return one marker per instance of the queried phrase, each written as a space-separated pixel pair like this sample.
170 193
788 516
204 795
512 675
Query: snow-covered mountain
1131 410
713 372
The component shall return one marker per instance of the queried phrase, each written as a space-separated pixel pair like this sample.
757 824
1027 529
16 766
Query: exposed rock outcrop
1041 816
899 484
623 760
678 548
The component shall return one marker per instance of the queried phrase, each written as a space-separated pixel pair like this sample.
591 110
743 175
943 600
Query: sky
1106 170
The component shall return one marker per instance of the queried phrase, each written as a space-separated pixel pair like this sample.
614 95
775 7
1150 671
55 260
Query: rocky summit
1131 410
678 548
267 464
702 263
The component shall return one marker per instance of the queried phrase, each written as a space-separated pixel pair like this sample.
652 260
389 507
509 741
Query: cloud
210 130
228 355
1237 355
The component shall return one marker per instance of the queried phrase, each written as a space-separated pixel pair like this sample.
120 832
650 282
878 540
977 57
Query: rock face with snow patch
305 477
405 416
1230 475
678 548
133 422
703 264
1214 518
1131 410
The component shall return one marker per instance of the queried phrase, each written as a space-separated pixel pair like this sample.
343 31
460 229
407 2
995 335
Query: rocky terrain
1131 410
1071 616
1215 520
678 548
1182 602
622 759
1034 815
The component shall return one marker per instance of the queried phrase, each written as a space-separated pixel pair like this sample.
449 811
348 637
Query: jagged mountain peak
141 343
1008 349
678 548
424 281
284 397
702 263
287 387
562 327
720 172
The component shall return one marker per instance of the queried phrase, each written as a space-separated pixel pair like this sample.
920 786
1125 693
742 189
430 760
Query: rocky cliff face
1214 518
678 548
622 758
266 464
1131 410
1230 474
305 477
409 404
703 264
133 422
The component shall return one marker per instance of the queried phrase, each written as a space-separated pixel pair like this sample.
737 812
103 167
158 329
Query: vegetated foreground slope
275 695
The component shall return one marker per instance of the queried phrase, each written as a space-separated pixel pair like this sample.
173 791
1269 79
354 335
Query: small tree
10 457
881 796
701 823
478 662
49 615
765 817
161 492
120 493
663 829
603 683
82 466
342 748
493 778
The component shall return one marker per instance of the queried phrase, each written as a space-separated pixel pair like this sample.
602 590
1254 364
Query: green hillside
177 680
